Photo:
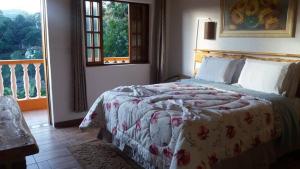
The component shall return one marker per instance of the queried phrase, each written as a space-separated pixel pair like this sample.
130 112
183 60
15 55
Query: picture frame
258 18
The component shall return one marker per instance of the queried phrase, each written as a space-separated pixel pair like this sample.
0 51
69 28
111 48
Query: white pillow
264 76
217 69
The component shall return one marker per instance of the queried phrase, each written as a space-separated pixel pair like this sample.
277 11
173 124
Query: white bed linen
264 76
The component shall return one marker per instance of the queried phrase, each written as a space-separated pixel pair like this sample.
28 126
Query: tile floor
53 143
37 117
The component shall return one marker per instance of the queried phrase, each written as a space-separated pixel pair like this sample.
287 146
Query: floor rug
98 155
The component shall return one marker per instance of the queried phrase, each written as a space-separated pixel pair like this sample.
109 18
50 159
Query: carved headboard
268 56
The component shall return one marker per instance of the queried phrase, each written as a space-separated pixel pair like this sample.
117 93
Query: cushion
239 67
292 81
264 76
217 69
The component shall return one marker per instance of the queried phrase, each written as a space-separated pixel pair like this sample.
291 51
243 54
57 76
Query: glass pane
133 40
88 24
133 27
97 55
96 8
90 55
133 54
97 39
87 7
138 53
115 29
139 27
96 25
139 40
89 40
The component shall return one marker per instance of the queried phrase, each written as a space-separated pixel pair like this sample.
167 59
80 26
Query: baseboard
70 123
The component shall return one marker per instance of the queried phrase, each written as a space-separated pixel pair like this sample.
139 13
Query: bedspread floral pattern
177 125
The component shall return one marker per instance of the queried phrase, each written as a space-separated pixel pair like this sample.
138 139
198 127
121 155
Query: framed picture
258 18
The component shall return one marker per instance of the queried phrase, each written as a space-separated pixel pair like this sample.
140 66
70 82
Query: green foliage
21 38
115 29
7 91
17 55
19 34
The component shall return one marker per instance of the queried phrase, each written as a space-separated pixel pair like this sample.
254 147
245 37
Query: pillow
264 76
238 70
291 82
217 69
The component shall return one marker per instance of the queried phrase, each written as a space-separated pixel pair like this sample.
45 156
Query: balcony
24 80
116 60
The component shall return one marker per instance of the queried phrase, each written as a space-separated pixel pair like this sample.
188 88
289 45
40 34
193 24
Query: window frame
92 32
101 47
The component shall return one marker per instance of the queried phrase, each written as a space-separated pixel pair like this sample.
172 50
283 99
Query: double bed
196 123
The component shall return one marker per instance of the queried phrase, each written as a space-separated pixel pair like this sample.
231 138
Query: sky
30 6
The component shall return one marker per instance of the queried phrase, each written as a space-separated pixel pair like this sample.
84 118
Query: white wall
99 79
182 20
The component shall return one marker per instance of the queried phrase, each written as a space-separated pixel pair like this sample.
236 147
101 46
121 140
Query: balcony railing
116 60
29 101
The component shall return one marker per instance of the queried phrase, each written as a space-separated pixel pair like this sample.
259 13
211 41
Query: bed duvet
178 125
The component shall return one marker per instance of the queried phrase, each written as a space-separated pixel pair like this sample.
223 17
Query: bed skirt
260 157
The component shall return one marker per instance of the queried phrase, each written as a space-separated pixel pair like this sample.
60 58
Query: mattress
186 124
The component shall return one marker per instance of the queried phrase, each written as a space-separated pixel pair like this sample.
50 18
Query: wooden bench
16 140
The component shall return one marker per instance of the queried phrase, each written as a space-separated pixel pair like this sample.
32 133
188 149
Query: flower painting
258 18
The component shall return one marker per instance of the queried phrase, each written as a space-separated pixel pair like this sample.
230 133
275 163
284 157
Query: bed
195 123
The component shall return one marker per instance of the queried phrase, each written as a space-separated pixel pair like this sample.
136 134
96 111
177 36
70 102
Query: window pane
97 39
138 53
88 24
96 8
133 40
97 55
115 29
96 25
139 40
139 27
133 54
90 55
133 27
87 7
89 40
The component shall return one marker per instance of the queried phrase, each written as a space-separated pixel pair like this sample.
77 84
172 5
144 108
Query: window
115 32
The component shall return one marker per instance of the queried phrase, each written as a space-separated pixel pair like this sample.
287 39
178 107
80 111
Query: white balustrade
1 82
26 80
38 79
13 80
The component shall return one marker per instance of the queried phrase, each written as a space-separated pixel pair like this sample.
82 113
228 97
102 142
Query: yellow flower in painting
275 2
263 14
239 5
271 23
268 3
232 27
237 17
265 3
252 8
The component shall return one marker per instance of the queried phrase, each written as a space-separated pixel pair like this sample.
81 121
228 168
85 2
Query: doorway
23 58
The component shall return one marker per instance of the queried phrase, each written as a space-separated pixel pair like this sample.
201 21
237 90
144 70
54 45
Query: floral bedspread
177 125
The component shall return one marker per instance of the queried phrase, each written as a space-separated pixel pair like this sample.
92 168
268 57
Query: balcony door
22 58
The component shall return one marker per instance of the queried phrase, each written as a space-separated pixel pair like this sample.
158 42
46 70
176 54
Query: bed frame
268 56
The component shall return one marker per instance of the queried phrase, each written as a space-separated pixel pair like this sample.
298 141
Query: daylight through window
108 30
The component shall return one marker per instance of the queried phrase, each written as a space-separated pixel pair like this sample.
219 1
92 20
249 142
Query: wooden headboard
268 56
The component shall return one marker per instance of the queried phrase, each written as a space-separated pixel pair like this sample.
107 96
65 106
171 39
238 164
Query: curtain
158 61
79 79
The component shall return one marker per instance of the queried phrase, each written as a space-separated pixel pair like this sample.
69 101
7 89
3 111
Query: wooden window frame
92 32
144 47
